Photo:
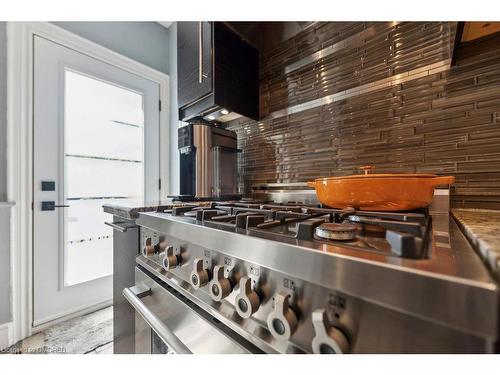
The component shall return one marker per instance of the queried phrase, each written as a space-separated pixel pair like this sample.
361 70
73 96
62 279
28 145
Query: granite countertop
482 228
131 210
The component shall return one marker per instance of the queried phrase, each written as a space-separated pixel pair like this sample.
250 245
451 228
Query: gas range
297 278
391 233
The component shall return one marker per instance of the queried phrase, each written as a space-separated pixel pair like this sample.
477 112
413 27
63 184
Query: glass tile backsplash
344 94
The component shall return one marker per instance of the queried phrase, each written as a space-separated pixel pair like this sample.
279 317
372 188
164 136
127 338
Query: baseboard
40 326
5 335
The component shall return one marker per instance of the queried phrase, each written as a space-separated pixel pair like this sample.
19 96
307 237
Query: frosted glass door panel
103 163
115 140
102 119
93 178
88 260
102 99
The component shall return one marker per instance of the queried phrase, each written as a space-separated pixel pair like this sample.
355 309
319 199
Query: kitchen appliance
257 276
163 316
380 192
208 162
217 73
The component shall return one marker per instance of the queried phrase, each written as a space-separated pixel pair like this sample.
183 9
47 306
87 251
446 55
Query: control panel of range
313 318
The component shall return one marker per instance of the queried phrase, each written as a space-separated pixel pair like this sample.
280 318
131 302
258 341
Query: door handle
51 205
200 52
154 322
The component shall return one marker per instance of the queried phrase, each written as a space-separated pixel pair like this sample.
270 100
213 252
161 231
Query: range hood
218 73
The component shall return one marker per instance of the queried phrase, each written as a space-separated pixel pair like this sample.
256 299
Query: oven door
166 322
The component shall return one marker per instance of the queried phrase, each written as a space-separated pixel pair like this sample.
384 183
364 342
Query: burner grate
402 234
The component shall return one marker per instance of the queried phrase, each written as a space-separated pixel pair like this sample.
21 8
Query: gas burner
402 234
348 210
191 213
336 231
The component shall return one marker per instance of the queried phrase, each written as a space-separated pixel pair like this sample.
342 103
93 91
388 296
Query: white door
95 141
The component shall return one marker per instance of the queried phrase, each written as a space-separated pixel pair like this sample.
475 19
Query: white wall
146 42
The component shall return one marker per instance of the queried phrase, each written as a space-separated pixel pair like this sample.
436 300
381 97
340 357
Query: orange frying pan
379 192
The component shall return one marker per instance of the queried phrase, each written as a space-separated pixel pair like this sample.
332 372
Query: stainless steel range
256 276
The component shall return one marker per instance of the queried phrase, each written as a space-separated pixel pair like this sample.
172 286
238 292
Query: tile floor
88 334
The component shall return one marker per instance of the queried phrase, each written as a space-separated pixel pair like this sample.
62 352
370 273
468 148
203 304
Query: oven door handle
155 323
121 228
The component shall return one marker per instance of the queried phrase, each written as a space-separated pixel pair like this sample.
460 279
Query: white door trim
20 37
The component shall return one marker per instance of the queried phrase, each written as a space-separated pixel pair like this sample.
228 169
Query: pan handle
442 180
311 184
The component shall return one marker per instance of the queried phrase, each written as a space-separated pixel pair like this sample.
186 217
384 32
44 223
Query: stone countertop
131 210
482 228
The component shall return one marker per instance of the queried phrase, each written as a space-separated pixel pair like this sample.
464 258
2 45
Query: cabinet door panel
190 71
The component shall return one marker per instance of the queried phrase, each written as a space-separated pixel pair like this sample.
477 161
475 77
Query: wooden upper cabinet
476 30
194 54
216 70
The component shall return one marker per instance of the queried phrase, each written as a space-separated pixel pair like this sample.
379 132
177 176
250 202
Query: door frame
20 37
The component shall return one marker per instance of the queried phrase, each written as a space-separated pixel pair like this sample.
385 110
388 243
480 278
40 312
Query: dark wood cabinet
194 54
216 70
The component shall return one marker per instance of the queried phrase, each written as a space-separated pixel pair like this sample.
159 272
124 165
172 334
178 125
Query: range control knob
328 339
199 276
171 260
247 300
282 322
148 250
220 286
161 246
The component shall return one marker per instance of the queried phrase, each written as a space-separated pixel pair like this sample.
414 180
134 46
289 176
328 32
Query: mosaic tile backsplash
344 94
